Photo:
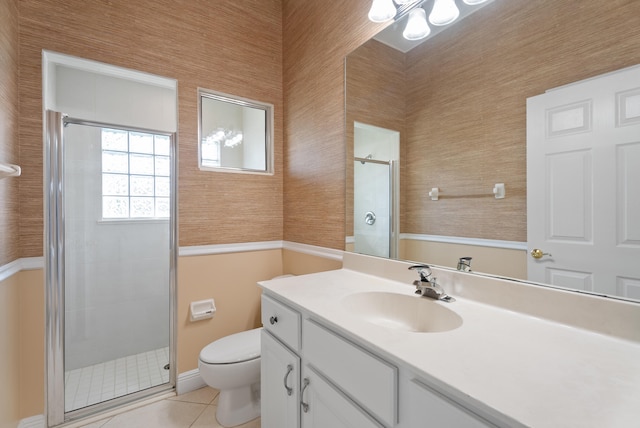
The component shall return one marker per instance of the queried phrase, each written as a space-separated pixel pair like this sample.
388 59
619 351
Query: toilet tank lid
235 348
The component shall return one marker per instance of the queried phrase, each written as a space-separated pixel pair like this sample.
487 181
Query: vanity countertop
538 372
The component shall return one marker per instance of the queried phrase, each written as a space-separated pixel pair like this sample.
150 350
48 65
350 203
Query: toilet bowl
232 366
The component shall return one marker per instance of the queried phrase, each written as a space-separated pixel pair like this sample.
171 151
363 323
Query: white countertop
538 372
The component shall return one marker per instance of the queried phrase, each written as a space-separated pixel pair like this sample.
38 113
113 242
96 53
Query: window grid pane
136 171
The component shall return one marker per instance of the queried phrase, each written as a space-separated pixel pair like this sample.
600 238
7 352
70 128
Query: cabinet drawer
282 321
367 379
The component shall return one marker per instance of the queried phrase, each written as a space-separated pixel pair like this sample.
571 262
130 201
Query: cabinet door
279 384
324 406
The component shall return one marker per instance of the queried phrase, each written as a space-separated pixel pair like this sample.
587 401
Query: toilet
232 366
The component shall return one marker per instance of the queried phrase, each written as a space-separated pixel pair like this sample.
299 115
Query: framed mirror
235 134
458 102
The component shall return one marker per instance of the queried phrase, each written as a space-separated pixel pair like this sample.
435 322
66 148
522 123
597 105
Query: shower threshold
115 378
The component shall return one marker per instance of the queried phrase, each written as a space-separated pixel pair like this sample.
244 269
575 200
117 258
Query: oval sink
402 312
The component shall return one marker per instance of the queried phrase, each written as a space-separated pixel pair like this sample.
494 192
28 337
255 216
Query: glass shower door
373 221
114 262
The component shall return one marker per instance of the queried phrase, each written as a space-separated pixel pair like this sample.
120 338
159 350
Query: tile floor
195 409
101 382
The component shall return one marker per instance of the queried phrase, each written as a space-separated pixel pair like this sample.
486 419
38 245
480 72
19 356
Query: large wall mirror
456 108
235 134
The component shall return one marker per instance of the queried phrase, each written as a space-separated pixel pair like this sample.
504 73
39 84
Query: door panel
628 186
583 184
569 187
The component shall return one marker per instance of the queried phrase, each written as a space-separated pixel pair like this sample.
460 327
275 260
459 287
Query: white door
583 185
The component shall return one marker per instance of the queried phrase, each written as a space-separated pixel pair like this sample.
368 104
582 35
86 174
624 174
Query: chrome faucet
464 264
427 286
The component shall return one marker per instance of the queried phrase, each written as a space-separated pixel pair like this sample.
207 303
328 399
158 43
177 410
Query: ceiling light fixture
382 10
417 27
443 12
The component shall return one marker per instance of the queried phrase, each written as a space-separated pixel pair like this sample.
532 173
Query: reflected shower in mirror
375 181
459 103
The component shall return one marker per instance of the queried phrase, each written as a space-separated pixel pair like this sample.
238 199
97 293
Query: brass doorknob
537 254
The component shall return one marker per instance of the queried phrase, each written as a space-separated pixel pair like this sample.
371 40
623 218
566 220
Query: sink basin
402 312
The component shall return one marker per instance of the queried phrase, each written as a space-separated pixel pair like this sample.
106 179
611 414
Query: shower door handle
370 218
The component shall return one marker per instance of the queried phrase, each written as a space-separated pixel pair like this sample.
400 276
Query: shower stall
111 239
376 190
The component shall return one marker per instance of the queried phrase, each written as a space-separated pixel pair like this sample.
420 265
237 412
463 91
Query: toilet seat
235 348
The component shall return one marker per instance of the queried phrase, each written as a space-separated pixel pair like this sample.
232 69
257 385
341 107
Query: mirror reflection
234 133
458 103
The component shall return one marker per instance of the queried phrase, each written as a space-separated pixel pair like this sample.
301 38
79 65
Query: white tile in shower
115 378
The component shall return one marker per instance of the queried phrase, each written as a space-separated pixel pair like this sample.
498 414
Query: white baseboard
189 381
33 422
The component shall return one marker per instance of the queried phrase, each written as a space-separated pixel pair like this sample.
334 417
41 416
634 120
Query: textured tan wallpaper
468 109
228 46
9 150
317 37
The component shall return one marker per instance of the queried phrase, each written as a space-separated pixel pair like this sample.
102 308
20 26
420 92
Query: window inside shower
135 175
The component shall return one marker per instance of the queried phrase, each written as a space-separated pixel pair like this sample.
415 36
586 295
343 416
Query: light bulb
382 10
474 2
444 12
417 27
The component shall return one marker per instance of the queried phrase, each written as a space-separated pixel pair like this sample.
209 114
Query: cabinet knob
273 319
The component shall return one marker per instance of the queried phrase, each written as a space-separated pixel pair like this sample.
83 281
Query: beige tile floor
195 409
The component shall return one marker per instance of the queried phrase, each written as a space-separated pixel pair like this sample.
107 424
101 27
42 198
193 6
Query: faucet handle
464 264
424 271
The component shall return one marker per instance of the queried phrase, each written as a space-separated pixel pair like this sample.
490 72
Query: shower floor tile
100 382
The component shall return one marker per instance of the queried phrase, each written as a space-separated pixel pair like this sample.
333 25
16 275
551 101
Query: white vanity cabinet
313 377
292 398
280 365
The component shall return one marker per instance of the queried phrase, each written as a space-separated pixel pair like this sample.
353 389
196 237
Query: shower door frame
55 413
